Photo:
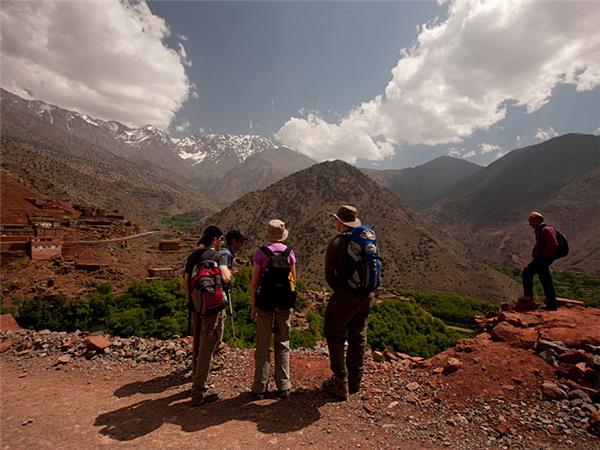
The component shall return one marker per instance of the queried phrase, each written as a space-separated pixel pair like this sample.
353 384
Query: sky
379 84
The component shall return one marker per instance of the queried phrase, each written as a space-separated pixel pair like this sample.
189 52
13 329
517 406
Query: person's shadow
299 410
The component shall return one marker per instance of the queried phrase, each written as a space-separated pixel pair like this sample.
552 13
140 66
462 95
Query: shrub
406 327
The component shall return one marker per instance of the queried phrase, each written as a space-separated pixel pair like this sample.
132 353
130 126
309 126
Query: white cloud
184 125
546 134
106 59
356 136
488 148
462 74
597 130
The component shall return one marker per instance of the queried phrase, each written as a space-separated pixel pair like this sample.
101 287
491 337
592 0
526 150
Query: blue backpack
363 258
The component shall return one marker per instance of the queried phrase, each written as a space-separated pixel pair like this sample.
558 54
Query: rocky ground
530 381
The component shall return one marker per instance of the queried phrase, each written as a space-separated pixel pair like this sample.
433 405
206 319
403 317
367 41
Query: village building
164 273
169 245
43 248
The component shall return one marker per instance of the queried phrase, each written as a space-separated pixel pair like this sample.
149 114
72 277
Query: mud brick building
169 245
45 247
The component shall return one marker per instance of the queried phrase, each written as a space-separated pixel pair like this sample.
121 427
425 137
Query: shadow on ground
153 386
299 410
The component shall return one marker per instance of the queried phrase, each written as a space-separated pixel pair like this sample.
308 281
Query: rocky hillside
65 167
415 256
417 186
487 211
212 162
527 382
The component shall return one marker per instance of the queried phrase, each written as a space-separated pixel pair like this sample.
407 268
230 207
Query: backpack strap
267 251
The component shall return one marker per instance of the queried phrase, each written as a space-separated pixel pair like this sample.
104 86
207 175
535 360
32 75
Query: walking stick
232 321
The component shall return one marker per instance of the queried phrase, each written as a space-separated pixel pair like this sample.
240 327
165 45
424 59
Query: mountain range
487 211
415 255
418 186
203 159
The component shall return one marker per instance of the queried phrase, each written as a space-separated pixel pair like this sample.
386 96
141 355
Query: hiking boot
258 395
549 307
201 397
282 393
336 388
354 386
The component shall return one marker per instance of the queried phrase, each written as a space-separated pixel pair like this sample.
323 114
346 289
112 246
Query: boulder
556 346
516 337
8 323
451 366
6 345
573 356
551 391
98 343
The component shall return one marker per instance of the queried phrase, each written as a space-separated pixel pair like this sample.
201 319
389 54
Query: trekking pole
232 321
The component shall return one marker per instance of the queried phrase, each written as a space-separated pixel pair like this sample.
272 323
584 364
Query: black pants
541 267
346 319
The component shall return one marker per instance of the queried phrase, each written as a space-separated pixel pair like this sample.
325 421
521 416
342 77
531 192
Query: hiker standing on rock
543 254
207 301
353 271
273 297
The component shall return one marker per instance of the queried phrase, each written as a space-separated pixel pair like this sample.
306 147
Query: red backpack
206 286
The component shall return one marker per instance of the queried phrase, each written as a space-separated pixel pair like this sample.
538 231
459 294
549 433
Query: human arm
256 273
186 282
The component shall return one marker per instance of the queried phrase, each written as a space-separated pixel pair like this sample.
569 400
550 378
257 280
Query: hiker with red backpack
206 274
550 244
353 271
273 297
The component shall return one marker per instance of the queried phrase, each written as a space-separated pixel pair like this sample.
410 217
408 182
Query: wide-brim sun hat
276 231
347 215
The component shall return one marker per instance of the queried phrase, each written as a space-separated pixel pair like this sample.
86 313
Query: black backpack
563 245
276 289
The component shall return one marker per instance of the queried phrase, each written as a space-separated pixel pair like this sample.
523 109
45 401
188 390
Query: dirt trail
149 408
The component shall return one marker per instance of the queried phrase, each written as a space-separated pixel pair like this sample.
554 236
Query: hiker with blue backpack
550 244
353 271
206 273
273 297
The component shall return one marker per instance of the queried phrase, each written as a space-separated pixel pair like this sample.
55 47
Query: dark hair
209 234
235 235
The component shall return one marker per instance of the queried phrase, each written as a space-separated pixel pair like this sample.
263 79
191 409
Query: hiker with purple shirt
272 314
546 245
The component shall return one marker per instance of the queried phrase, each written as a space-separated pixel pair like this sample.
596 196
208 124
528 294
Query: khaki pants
278 322
207 332
346 319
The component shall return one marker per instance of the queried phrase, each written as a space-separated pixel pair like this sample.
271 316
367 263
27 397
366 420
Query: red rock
438 370
452 365
403 355
503 429
63 359
551 391
97 342
410 398
517 380
573 356
378 356
412 386
6 345
370 408
389 355
516 337
525 304
553 430
595 421
8 323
